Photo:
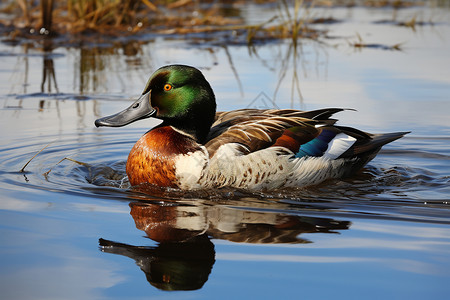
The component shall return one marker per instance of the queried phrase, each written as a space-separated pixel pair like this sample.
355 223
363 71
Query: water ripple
92 168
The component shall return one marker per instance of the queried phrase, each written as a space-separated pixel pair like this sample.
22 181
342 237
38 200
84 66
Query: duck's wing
304 133
226 119
255 129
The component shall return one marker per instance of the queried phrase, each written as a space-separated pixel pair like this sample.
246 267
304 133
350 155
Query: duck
195 147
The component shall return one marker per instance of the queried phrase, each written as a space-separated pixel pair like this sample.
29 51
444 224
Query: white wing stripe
341 143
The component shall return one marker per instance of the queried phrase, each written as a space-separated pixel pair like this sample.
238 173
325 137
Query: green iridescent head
177 94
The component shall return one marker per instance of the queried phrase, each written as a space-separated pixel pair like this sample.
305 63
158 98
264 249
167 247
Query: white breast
264 169
190 167
270 168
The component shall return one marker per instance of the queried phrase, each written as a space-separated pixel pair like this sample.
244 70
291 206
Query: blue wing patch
317 146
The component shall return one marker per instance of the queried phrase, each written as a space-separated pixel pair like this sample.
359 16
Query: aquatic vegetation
28 162
360 44
115 18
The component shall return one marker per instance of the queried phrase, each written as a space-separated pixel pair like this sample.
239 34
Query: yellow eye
167 87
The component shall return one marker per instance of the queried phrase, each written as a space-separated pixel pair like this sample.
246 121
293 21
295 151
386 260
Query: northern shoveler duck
197 147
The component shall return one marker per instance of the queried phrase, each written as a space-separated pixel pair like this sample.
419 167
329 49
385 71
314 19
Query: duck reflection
171 265
185 255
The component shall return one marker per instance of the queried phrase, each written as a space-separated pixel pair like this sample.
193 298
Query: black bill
140 109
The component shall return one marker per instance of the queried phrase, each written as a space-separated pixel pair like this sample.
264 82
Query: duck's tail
366 149
372 144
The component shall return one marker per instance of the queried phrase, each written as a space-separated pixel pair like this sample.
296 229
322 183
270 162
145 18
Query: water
70 226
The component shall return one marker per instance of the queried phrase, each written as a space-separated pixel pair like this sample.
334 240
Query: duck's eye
167 87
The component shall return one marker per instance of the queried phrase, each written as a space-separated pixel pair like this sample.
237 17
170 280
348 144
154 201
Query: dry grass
129 17
360 44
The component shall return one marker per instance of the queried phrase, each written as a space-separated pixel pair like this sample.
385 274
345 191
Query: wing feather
256 129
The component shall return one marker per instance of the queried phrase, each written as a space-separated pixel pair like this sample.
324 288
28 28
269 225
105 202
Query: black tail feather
370 146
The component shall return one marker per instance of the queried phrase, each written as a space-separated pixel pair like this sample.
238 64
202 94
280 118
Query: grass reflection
48 70
93 71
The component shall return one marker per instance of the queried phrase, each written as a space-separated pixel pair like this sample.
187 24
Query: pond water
70 226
